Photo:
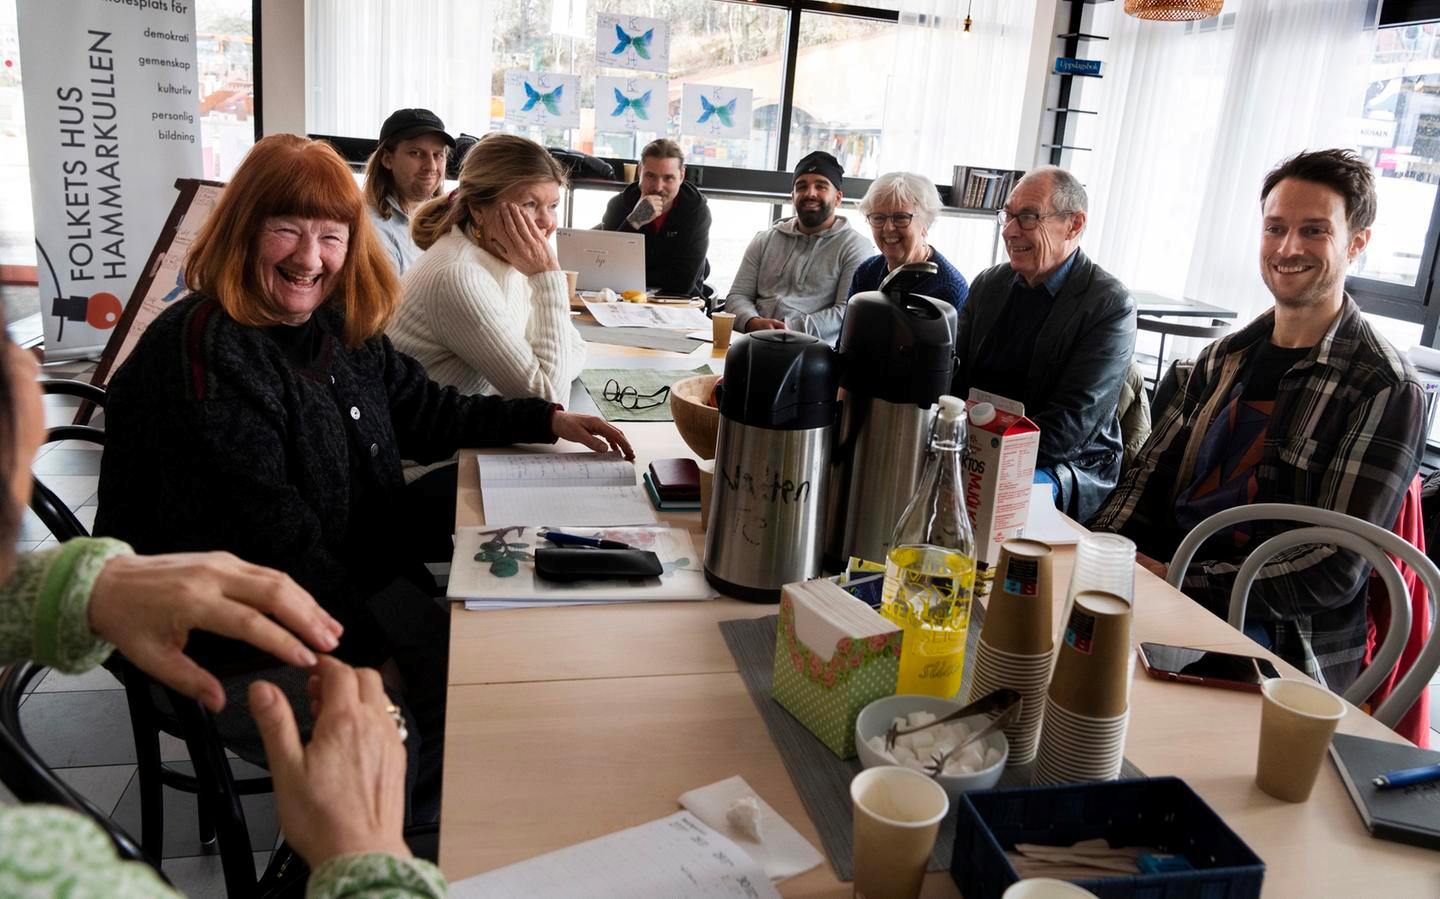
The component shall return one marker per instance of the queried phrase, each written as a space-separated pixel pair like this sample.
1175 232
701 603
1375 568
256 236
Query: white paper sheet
1045 523
646 315
557 507
782 852
674 856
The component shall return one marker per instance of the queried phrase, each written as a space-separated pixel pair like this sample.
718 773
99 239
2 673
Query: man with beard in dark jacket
673 216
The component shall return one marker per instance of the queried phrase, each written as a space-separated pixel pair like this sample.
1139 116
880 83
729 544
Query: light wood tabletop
567 724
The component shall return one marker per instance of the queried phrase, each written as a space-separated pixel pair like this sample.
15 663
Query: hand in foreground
591 430
522 244
765 324
344 793
1150 565
148 605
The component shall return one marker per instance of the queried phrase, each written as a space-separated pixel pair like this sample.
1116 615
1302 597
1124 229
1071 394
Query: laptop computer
612 259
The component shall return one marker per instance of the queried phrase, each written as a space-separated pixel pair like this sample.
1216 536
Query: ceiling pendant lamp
1173 10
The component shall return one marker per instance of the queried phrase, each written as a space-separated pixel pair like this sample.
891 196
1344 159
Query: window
227 99
841 80
728 44
1398 131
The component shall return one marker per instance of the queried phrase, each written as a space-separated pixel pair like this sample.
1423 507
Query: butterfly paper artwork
713 111
631 104
632 42
542 99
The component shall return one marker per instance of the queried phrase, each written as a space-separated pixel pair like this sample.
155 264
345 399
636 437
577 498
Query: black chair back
26 775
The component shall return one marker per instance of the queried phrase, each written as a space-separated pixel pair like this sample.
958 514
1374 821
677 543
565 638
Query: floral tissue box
833 656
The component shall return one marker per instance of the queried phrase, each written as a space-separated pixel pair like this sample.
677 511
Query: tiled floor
80 724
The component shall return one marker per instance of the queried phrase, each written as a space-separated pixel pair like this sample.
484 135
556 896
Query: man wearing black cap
406 169
796 273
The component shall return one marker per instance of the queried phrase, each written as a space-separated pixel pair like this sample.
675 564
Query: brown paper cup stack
1087 707
1297 720
1014 649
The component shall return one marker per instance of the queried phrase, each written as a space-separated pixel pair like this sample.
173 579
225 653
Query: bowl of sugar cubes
976 767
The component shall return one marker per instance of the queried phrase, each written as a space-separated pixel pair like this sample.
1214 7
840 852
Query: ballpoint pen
563 539
1407 777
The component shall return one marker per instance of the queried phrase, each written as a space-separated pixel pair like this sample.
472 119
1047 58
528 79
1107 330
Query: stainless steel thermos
896 359
767 510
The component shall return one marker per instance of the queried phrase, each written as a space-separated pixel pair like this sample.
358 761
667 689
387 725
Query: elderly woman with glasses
901 207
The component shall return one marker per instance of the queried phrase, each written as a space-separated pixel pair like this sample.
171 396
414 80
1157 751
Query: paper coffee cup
1017 615
1045 888
721 324
570 279
897 814
1297 719
629 172
1092 672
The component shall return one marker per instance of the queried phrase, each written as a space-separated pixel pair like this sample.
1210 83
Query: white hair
905 189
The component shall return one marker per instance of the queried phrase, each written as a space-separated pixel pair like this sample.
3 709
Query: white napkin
782 852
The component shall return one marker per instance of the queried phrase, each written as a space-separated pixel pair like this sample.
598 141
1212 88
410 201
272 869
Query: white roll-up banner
112 118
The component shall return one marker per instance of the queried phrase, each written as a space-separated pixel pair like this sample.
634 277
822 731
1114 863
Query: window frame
1415 303
351 145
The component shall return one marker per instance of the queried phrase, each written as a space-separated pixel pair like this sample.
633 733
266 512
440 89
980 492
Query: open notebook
562 489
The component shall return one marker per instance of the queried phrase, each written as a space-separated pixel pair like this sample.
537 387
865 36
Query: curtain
1191 121
367 58
955 99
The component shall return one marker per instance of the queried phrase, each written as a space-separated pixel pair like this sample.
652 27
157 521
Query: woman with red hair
267 414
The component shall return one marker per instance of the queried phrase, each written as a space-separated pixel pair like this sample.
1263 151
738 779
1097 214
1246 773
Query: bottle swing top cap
951 407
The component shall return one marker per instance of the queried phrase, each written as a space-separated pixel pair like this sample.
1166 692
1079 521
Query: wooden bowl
697 423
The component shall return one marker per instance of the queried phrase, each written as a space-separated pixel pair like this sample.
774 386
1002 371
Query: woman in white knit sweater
486 307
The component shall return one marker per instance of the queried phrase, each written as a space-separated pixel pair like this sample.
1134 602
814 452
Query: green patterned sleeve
49 851
376 875
44 605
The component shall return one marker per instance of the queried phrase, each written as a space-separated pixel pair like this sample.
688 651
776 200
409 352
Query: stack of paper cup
1102 562
1014 648
1088 704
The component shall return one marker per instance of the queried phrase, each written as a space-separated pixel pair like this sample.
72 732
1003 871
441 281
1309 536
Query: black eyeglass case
583 563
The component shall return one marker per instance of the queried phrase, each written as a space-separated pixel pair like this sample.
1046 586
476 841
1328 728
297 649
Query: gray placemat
821 779
644 338
646 382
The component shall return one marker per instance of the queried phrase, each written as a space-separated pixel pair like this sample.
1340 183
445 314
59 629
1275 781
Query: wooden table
568 724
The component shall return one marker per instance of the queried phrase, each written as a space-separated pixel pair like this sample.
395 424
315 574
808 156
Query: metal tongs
1002 701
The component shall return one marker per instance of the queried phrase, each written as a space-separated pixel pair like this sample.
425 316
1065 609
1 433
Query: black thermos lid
898 346
781 380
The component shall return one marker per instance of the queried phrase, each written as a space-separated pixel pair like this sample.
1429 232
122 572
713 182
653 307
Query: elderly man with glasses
1055 331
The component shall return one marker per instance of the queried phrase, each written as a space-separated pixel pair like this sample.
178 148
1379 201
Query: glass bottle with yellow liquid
930 571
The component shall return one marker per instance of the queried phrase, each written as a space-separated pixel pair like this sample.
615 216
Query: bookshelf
1070 42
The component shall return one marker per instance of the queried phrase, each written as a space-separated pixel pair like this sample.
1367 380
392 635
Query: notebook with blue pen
1406 815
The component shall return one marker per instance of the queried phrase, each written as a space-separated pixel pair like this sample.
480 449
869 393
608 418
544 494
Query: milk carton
999 468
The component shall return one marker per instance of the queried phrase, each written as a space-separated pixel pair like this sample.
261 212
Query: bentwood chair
1370 541
155 709
27 776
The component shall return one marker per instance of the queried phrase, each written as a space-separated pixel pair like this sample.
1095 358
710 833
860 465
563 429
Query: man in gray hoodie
797 272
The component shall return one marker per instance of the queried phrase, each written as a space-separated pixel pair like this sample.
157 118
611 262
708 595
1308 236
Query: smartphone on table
1205 666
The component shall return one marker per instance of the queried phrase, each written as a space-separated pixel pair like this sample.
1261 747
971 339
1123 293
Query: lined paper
674 856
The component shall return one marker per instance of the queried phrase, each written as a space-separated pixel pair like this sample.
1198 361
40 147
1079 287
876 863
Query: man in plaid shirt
1307 404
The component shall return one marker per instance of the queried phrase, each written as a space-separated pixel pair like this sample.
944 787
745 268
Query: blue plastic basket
1160 812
